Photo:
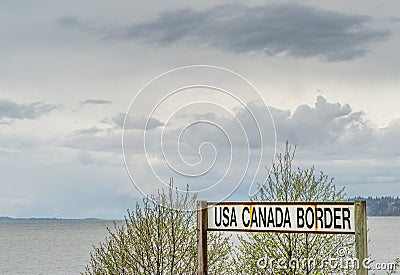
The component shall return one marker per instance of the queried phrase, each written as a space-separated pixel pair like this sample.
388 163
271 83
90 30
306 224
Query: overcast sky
69 70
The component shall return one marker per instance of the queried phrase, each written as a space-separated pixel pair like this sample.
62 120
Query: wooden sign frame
360 228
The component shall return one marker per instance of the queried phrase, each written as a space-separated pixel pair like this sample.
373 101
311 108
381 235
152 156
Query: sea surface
64 246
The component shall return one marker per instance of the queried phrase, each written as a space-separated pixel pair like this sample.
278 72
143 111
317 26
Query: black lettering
318 217
278 217
346 217
336 217
246 224
300 217
308 212
217 221
225 213
233 217
254 217
270 217
287 219
328 224
262 216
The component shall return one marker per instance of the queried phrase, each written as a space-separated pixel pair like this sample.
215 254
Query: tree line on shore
381 206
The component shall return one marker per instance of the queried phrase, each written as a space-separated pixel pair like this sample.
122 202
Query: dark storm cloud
10 110
96 102
289 29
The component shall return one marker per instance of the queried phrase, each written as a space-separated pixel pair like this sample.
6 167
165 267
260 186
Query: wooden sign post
289 217
361 235
202 226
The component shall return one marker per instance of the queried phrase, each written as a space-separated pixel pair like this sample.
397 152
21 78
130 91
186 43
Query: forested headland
381 206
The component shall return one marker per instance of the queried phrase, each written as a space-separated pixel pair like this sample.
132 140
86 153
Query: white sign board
316 217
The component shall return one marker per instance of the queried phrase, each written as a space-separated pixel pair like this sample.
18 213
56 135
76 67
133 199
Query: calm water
48 247
63 247
384 239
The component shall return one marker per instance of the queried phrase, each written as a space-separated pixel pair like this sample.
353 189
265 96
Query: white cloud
329 135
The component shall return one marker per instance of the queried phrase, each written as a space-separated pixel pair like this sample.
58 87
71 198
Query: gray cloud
394 19
287 28
87 158
94 140
70 22
89 26
136 123
96 102
9 151
89 131
10 110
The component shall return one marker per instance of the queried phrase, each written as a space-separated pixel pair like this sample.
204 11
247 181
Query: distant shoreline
11 219
386 206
